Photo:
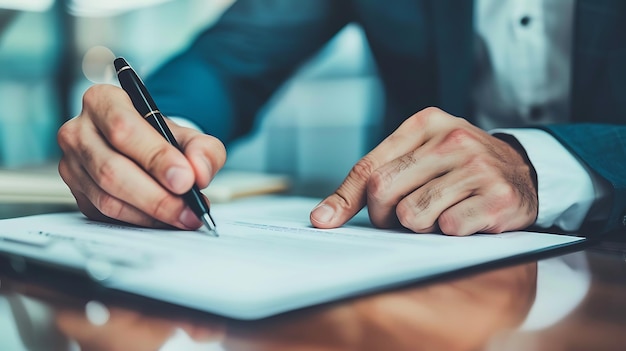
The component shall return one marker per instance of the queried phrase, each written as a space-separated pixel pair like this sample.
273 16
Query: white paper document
267 260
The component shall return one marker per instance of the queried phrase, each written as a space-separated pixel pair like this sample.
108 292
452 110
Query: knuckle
109 205
497 219
432 194
449 224
494 224
377 185
419 203
363 169
221 151
459 137
425 117
504 193
380 182
164 208
218 153
217 144
156 156
380 222
431 111
64 170
119 129
107 175
496 229
405 213
413 214
66 135
93 97
90 97
84 151
420 119
479 164
403 163
409 216
207 152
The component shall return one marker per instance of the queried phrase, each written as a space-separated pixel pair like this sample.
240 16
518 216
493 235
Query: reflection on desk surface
572 302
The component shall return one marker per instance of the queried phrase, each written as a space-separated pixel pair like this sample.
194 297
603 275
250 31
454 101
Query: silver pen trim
122 69
209 224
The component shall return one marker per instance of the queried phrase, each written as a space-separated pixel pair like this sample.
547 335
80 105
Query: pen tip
209 224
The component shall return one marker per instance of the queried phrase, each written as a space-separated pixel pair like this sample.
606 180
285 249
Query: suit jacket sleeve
232 68
602 147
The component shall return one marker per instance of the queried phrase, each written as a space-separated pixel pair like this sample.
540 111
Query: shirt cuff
565 188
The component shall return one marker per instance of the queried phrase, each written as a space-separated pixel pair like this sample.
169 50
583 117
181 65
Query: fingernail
175 178
189 219
323 213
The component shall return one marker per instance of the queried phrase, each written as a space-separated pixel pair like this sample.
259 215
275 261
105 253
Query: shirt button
525 21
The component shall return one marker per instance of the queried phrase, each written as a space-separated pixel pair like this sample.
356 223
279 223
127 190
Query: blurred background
314 129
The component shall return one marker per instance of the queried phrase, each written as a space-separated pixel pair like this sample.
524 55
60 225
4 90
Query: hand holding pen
145 105
119 167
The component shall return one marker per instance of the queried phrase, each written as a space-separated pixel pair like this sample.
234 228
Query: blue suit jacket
424 52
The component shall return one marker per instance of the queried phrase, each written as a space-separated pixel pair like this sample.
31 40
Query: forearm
189 88
233 68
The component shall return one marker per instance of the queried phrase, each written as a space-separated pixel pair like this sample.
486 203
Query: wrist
517 146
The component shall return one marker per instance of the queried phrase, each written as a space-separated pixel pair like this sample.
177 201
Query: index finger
128 133
351 196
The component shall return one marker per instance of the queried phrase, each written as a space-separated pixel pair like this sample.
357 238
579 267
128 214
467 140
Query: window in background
26 5
30 50
38 93
103 30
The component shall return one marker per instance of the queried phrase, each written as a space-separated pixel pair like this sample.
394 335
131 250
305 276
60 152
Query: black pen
136 90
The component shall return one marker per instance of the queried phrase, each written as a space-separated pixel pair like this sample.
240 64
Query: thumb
348 199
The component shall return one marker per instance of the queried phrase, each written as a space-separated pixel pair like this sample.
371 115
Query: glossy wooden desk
575 301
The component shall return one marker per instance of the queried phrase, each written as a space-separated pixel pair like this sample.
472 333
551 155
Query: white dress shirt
523 75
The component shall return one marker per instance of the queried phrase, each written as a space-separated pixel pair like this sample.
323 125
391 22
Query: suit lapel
454 38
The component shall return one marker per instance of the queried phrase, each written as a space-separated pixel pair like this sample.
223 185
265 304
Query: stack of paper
267 260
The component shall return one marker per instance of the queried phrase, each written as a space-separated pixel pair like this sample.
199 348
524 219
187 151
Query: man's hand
437 171
119 167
